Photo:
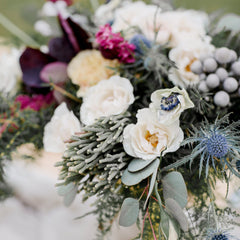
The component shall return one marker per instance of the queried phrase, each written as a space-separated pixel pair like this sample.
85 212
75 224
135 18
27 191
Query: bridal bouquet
143 102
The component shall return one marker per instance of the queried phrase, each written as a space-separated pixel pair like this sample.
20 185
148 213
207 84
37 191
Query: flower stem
154 235
12 28
64 92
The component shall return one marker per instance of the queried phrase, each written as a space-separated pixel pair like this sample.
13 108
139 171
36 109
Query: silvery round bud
223 55
221 99
202 76
233 55
222 74
230 84
209 65
196 67
212 81
202 87
236 68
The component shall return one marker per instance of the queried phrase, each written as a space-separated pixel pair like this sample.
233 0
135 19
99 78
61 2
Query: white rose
184 55
169 104
10 72
136 14
108 97
62 125
177 26
105 13
148 139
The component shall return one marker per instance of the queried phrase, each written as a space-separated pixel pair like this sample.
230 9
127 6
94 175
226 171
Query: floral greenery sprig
94 159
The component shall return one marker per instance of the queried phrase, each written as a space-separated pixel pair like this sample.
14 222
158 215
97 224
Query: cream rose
169 104
108 97
88 68
148 139
62 125
184 55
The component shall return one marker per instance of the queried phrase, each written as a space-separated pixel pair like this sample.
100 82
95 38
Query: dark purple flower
61 50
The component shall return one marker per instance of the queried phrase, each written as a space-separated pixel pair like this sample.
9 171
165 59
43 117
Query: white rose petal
108 97
171 115
62 125
10 72
148 139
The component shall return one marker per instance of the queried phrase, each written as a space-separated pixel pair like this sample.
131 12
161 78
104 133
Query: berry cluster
219 74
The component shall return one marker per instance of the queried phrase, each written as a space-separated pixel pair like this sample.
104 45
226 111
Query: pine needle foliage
94 159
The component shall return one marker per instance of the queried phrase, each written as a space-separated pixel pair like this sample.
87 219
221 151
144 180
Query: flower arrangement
142 100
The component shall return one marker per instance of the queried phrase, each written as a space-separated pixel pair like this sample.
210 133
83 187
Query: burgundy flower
34 63
36 102
68 2
114 46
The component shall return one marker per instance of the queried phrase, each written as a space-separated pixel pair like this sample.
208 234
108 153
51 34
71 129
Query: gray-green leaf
174 187
129 212
130 179
175 210
70 196
164 224
65 189
138 164
152 183
229 21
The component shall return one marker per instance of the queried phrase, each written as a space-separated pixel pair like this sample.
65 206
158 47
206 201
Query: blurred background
24 12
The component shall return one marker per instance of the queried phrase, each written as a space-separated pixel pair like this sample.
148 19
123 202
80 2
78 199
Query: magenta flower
36 102
114 46
68 2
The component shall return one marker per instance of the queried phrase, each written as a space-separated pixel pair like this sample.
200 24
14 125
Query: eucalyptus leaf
138 164
130 179
175 210
152 183
229 21
129 212
164 224
65 189
174 187
70 196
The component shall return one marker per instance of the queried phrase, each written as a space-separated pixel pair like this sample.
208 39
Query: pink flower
68 2
36 102
114 46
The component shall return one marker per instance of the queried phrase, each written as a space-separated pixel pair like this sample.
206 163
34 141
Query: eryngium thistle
218 234
94 159
217 144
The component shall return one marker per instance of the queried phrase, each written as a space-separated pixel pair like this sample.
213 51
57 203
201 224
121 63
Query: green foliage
19 127
95 159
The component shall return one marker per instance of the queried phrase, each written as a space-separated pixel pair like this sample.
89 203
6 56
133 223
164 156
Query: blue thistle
217 144
141 43
215 234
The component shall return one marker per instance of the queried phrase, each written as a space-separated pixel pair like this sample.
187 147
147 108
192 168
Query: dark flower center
220 237
217 146
170 102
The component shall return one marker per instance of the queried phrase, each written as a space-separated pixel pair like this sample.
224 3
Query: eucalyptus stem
159 203
12 28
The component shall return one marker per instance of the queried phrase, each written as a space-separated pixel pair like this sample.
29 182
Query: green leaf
174 187
175 210
152 182
70 196
138 164
65 189
164 224
129 212
229 21
130 179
